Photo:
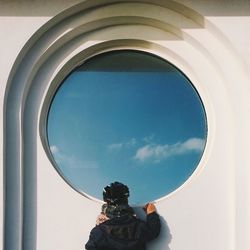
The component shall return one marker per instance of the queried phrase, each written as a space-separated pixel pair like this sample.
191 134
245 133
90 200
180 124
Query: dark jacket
124 233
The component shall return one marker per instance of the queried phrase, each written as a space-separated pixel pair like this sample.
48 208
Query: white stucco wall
212 210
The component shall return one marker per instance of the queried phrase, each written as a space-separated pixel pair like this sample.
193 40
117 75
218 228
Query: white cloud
115 146
54 149
149 139
132 142
118 146
71 161
56 154
193 144
156 153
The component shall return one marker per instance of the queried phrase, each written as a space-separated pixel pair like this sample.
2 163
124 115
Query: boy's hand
149 208
101 218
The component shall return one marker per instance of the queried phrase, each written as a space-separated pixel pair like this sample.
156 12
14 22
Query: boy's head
116 194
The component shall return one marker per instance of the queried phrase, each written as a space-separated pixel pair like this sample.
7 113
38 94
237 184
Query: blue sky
144 128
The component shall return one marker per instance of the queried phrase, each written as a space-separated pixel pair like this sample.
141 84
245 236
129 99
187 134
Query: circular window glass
126 116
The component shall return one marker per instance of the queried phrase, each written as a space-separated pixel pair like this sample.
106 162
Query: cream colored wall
209 42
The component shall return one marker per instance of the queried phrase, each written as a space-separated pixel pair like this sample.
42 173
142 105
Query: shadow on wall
164 239
51 8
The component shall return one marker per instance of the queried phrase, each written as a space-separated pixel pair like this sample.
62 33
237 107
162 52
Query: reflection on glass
126 116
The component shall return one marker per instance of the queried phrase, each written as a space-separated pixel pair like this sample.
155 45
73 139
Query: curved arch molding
165 28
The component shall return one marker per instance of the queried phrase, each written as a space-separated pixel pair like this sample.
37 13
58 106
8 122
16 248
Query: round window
126 116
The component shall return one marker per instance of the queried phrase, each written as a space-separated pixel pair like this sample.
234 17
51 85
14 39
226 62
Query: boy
117 227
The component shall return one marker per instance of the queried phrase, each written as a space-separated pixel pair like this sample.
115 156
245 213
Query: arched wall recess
167 29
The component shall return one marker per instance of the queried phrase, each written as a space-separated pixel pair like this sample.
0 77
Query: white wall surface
212 210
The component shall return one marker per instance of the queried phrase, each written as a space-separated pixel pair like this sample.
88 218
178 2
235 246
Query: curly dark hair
116 193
